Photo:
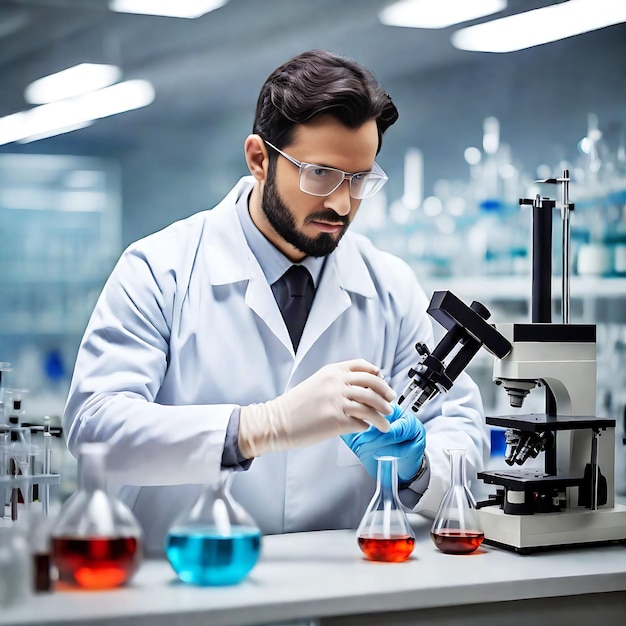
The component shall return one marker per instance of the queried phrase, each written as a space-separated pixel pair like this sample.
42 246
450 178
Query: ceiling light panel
189 9
63 116
437 13
74 81
540 26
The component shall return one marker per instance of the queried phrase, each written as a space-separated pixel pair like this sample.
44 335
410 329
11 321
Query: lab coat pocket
345 456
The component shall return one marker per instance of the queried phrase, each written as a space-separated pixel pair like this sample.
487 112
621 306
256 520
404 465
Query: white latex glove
338 399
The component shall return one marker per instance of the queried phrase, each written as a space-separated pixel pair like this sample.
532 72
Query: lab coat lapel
260 298
345 274
230 260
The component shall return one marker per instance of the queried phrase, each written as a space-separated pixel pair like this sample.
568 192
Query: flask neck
92 467
387 476
457 468
225 481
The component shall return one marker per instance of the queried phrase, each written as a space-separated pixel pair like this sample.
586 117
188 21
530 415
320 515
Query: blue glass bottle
216 542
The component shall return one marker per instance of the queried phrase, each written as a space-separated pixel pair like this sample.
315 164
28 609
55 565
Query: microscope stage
527 480
541 422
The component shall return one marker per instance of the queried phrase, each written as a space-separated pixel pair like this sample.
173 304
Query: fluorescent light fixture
72 82
59 117
437 13
539 26
189 9
56 131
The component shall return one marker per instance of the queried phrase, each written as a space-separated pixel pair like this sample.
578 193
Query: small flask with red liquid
96 539
384 533
456 528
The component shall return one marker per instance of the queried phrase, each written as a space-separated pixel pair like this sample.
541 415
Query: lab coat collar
227 242
352 272
230 260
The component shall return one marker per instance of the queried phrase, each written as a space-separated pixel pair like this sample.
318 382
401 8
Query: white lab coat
187 328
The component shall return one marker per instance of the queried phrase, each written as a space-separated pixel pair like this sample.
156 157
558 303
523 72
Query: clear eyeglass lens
322 181
366 185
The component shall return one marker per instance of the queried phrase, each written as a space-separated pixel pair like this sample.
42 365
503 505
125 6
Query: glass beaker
96 540
216 542
384 533
456 528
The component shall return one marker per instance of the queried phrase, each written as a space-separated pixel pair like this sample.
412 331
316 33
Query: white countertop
322 574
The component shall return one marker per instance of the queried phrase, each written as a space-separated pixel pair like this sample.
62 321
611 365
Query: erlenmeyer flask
96 540
456 528
384 533
216 542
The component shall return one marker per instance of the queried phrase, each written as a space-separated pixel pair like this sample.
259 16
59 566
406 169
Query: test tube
47 463
19 465
5 491
4 367
4 470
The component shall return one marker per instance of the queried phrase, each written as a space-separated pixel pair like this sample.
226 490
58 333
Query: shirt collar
272 261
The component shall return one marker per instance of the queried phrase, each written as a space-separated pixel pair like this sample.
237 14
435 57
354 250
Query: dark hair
316 82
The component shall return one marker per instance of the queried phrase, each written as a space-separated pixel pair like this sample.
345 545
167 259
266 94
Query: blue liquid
202 556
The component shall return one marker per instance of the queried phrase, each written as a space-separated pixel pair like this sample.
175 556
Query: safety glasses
319 180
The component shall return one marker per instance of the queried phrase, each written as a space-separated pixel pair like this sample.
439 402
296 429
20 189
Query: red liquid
457 541
41 572
96 562
390 550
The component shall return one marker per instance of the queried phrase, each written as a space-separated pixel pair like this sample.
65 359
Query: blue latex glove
405 440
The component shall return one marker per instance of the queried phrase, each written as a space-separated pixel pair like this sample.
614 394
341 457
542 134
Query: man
191 363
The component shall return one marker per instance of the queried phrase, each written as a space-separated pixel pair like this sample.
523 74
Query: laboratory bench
322 579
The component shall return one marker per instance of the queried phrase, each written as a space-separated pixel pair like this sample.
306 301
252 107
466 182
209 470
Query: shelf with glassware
60 217
59 305
515 287
484 250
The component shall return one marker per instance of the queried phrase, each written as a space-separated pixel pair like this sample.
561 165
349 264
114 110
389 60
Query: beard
283 222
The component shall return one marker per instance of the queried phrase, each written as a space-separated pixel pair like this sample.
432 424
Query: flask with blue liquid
216 542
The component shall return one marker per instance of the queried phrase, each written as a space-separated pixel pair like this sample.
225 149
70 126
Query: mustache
328 216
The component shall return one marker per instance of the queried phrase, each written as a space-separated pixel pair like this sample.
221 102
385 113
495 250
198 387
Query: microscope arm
466 326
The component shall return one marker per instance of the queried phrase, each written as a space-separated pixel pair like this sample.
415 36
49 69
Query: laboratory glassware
14 401
216 541
15 565
40 549
456 528
97 542
19 455
384 533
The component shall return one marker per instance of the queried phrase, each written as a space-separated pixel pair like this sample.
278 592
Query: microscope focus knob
481 309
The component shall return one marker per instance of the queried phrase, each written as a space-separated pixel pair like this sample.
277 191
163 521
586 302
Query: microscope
571 501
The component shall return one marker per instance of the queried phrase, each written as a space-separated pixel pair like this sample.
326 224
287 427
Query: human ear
256 157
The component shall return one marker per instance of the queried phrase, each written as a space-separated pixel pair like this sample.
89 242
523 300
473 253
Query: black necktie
300 290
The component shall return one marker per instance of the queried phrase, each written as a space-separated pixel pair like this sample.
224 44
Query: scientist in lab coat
187 366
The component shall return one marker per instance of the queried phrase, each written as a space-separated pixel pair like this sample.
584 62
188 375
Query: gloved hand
339 398
405 440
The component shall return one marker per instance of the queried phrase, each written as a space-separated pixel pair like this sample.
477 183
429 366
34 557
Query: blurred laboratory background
90 162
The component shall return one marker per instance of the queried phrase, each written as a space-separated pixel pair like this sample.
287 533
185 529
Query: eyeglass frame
346 175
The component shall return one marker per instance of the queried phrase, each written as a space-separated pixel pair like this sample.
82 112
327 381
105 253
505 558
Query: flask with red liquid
456 528
384 533
96 540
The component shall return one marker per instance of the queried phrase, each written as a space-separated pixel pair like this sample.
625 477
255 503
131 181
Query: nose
339 200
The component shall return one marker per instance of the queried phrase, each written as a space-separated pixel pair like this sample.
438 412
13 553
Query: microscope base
541 531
